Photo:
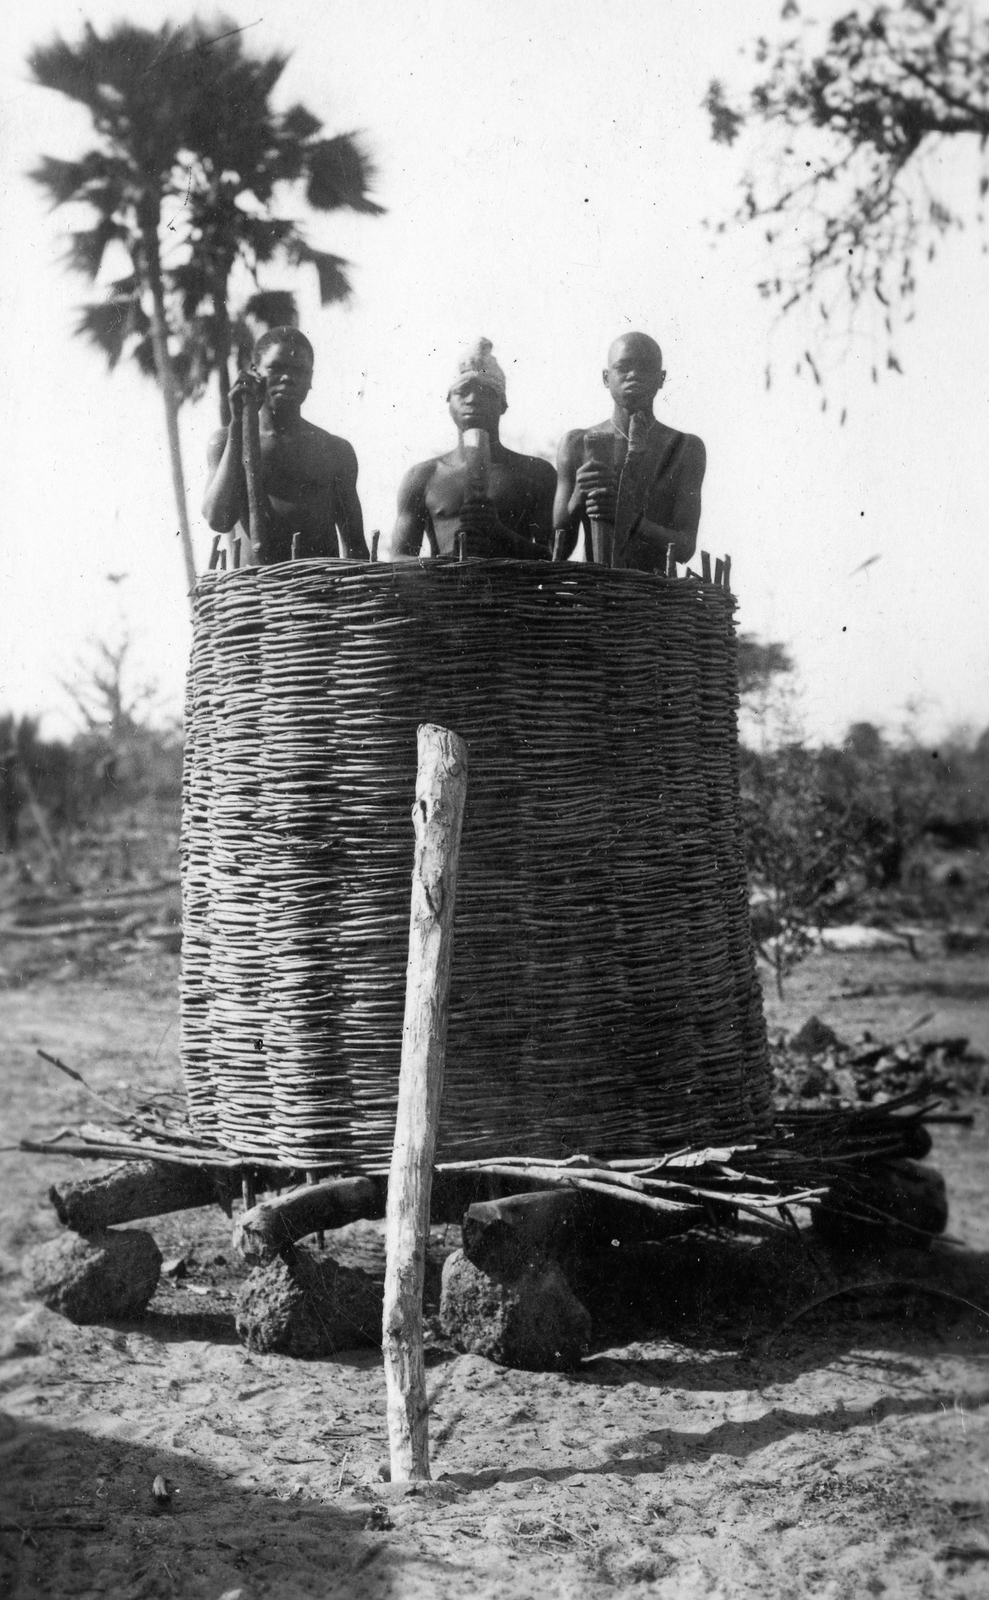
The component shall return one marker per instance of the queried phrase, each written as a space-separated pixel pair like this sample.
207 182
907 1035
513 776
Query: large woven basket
604 996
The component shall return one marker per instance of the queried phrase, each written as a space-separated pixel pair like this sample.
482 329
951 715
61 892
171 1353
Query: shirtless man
309 475
513 517
665 483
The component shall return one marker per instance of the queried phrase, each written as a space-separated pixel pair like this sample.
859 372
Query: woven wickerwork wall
604 996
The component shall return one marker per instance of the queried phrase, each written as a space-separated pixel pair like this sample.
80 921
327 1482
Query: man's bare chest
294 470
508 490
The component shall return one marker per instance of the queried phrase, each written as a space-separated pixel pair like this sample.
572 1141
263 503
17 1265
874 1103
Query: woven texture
604 996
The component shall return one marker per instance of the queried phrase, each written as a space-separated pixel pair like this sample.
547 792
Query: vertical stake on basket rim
460 544
558 538
705 566
376 535
296 545
671 560
223 561
236 553
441 790
431 540
728 573
214 555
719 571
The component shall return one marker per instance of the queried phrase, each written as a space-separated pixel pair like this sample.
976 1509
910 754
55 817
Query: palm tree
141 114
184 121
243 158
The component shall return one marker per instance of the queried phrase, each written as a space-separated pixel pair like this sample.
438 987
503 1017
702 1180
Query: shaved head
634 374
639 344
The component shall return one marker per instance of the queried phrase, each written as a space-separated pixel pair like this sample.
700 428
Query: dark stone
912 1198
107 1277
533 1321
814 1038
300 1306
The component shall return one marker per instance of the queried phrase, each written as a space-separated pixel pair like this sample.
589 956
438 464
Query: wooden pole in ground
441 789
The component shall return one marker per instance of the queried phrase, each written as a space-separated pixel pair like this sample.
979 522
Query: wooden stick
705 566
237 543
214 554
258 509
460 544
376 535
441 790
342 550
599 447
431 540
223 561
728 572
671 560
558 539
719 571
296 545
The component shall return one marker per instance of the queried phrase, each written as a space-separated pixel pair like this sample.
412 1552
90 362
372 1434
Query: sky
547 170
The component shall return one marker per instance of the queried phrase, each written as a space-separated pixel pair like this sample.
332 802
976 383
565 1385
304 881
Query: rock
106 1277
300 1306
533 1321
905 1191
814 1038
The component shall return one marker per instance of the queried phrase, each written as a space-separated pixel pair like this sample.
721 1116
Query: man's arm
647 546
223 501
413 514
350 517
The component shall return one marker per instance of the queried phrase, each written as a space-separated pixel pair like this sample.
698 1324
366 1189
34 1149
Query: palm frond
334 285
88 246
340 173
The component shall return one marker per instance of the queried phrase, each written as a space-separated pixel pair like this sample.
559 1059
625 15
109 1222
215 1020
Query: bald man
510 515
661 475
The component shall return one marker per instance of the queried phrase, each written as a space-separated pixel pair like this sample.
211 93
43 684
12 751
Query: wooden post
705 566
441 789
671 560
558 538
257 500
600 448
296 545
376 535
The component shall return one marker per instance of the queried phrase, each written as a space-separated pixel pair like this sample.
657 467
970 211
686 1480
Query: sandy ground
693 1454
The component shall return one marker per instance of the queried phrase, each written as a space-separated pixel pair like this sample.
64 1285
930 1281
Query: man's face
475 404
287 373
634 374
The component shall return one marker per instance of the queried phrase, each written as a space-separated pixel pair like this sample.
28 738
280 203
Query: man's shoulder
534 467
686 443
326 441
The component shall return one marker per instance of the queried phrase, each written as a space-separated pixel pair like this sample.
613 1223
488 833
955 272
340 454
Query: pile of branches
815 1069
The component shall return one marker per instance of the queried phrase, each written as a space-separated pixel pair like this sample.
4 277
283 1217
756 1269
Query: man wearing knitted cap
500 501
632 473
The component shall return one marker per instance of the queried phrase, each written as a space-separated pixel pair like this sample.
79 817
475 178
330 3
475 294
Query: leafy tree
243 160
140 114
859 107
190 162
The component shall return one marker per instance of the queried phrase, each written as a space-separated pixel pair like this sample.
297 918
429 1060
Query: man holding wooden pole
633 483
284 484
493 500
